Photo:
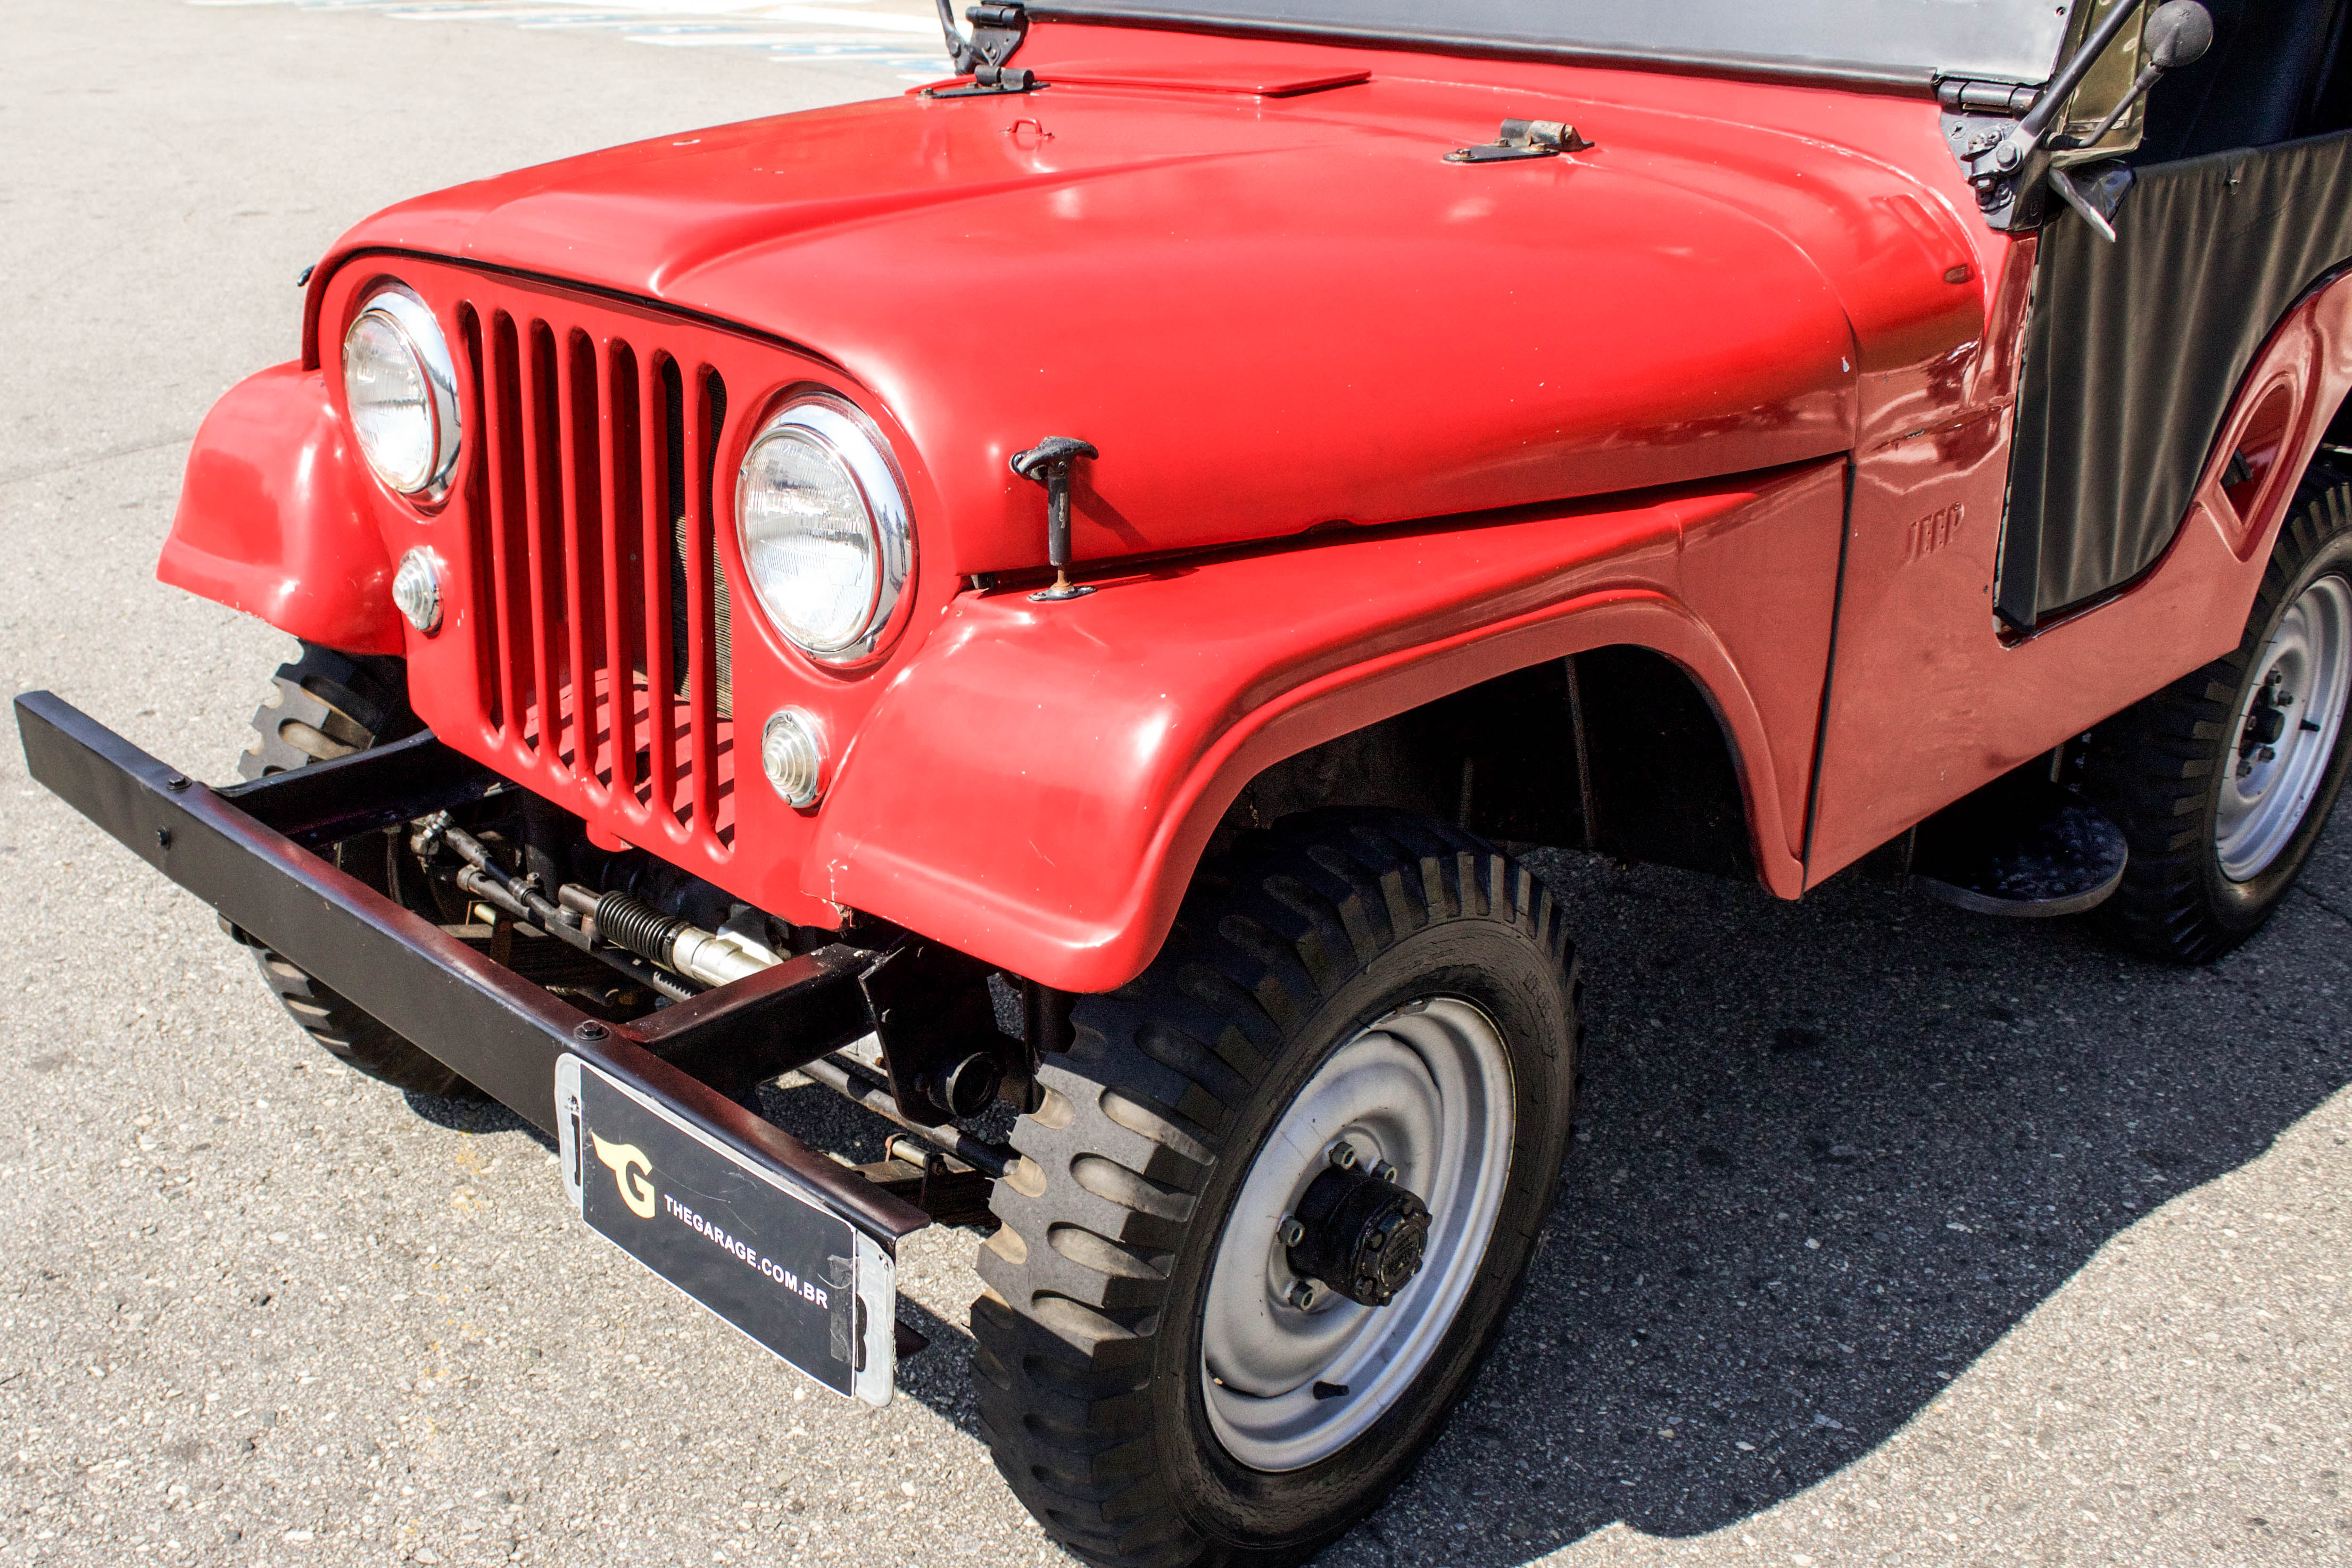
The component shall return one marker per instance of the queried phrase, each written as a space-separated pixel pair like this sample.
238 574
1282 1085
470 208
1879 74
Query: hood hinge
1977 116
996 31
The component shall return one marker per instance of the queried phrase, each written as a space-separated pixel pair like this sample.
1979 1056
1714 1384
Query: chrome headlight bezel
414 328
842 432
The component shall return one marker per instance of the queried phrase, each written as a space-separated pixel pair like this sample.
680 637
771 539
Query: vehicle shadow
474 1118
940 1373
1828 1154
1959 1111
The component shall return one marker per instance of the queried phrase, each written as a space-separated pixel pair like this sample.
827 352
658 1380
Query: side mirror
2009 172
2179 32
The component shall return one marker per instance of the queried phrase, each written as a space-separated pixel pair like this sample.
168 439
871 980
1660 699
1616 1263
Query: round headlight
402 389
824 524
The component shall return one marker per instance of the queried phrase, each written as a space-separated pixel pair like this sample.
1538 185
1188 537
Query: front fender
1037 785
275 517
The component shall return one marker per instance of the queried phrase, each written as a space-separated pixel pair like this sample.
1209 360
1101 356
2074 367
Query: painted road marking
901 35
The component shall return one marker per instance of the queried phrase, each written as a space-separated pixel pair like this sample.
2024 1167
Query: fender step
2021 847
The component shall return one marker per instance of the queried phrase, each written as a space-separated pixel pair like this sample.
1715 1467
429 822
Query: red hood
1273 312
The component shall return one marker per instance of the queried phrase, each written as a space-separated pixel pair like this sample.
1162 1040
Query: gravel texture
1893 1234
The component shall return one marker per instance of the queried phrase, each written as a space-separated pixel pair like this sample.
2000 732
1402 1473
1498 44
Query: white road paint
901 35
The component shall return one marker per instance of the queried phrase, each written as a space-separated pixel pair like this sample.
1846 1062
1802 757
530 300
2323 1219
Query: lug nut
1343 1154
1386 1170
1290 1233
1303 1294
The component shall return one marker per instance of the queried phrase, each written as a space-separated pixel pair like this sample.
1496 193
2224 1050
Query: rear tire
2219 829
1122 1403
331 705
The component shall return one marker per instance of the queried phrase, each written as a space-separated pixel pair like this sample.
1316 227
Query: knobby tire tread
329 705
2152 766
1129 1134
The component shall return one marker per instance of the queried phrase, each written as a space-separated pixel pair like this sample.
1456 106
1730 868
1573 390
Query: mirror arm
2029 137
2007 169
2140 84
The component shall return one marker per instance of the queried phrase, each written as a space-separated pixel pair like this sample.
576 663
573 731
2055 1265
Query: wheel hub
2265 723
1364 1237
1379 1184
2286 731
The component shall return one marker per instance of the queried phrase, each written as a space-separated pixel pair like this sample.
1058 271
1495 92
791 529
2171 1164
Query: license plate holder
736 1234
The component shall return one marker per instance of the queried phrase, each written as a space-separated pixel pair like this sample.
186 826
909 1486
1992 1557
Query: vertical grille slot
516 671
489 666
662 687
605 608
580 442
696 553
721 612
619 456
543 484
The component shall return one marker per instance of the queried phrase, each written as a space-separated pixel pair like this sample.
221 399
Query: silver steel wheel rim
2266 789
1428 1088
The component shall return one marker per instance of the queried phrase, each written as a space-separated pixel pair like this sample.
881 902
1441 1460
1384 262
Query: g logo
630 1167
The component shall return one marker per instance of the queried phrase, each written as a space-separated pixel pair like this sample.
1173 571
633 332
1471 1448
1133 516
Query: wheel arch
1095 747
2295 399
1617 748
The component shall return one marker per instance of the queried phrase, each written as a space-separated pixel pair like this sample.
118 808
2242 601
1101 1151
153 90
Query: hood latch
1523 139
1048 464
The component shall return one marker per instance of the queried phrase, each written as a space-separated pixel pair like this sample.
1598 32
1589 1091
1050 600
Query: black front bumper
248 851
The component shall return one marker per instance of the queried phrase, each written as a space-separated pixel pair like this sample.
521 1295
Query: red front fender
1036 785
274 518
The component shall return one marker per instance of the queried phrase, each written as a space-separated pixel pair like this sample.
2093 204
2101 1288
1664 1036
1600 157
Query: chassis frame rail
502 1032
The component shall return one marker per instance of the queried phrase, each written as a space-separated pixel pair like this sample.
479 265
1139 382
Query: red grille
596 568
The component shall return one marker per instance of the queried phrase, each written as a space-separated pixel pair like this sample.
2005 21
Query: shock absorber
627 921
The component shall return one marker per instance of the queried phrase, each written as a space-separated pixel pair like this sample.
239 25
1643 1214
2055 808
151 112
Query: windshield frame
1918 77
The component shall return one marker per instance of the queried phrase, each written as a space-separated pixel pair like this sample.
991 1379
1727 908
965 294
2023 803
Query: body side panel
1930 699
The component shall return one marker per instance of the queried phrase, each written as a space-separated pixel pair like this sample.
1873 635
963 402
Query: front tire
2223 780
330 704
1150 1385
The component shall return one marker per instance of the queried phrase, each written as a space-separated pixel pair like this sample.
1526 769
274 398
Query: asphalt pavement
1893 1234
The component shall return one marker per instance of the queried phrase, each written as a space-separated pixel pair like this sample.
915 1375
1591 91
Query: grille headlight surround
828 538
400 387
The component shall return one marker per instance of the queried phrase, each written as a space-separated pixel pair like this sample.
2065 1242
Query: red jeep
1173 510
